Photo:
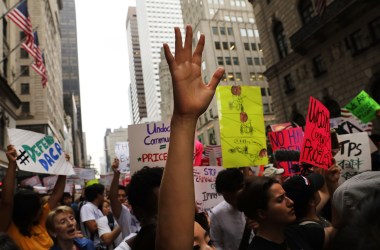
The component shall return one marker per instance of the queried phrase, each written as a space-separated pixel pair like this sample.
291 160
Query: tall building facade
110 140
156 20
232 42
136 87
70 77
331 55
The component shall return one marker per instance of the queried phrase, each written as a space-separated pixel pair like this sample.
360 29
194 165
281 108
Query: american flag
39 63
319 6
20 17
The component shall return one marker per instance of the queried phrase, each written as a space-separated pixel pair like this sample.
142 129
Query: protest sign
106 179
150 144
39 153
354 156
348 123
49 182
281 126
32 181
122 153
316 146
363 107
206 196
242 131
288 139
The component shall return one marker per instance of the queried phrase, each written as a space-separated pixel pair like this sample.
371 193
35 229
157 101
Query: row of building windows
235 60
222 31
238 19
237 77
249 32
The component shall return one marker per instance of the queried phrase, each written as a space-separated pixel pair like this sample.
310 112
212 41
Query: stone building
332 55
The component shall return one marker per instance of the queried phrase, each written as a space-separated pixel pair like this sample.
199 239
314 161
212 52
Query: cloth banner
122 153
39 153
363 107
242 131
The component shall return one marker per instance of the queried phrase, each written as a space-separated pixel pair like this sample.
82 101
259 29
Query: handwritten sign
288 139
281 126
206 196
242 131
39 153
350 123
363 107
354 156
122 153
150 144
316 146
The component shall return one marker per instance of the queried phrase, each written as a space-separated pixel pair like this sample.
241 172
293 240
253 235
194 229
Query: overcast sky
103 69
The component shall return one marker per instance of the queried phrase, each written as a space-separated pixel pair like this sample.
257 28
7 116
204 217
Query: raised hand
191 95
115 166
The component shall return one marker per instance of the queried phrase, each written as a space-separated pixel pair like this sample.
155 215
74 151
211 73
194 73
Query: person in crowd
62 227
120 212
108 229
202 239
192 96
67 199
271 171
227 222
122 194
23 216
90 211
6 243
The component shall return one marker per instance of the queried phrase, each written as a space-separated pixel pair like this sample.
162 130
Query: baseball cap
300 189
271 171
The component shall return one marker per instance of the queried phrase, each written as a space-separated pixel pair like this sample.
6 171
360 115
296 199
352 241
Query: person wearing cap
271 171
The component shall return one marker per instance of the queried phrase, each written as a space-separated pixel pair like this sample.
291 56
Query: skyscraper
70 76
136 88
156 20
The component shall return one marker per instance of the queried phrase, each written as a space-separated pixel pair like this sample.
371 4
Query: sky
103 69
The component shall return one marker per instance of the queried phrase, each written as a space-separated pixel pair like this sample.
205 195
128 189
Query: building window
23 53
25 89
252 76
25 107
306 11
246 46
236 60
22 35
253 46
263 92
231 77
266 108
230 32
251 20
268 91
227 18
249 61
215 31
243 32
232 46
24 70
319 66
211 136
222 30
358 42
256 33
217 45
261 77
220 60
262 61
224 78
257 61
250 32
289 85
239 19
228 60
279 36
225 45
259 45
238 76
374 27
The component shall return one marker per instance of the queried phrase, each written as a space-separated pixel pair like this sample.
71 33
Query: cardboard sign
206 196
150 144
39 153
122 153
363 107
288 139
242 131
32 181
354 156
316 146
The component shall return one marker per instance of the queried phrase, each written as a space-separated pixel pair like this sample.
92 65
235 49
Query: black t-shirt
305 237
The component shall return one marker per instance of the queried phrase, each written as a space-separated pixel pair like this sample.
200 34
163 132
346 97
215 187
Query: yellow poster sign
242 130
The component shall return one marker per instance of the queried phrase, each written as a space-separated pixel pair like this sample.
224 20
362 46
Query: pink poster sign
316 147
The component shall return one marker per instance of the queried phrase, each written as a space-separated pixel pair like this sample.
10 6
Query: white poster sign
39 153
122 153
106 179
150 144
206 196
354 156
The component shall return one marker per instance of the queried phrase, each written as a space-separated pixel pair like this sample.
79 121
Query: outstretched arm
6 205
58 189
115 203
191 98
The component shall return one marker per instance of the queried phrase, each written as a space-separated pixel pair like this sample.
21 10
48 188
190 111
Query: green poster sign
363 107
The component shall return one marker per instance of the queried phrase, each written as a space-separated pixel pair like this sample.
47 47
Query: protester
191 98
271 171
23 216
61 225
202 240
90 212
108 229
227 222
67 199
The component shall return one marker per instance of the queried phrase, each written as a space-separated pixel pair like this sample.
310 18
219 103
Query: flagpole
22 72
17 4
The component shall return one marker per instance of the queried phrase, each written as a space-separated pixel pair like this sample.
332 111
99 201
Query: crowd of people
157 209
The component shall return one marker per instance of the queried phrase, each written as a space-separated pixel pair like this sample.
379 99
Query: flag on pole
319 6
39 63
20 16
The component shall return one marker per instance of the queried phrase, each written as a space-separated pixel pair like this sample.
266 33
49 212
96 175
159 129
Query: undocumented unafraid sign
39 153
363 107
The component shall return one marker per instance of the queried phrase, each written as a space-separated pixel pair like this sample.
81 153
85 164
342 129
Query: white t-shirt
104 228
90 212
124 245
127 223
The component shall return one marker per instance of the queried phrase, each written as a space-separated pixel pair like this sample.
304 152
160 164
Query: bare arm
6 204
91 226
109 238
115 203
191 98
58 190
